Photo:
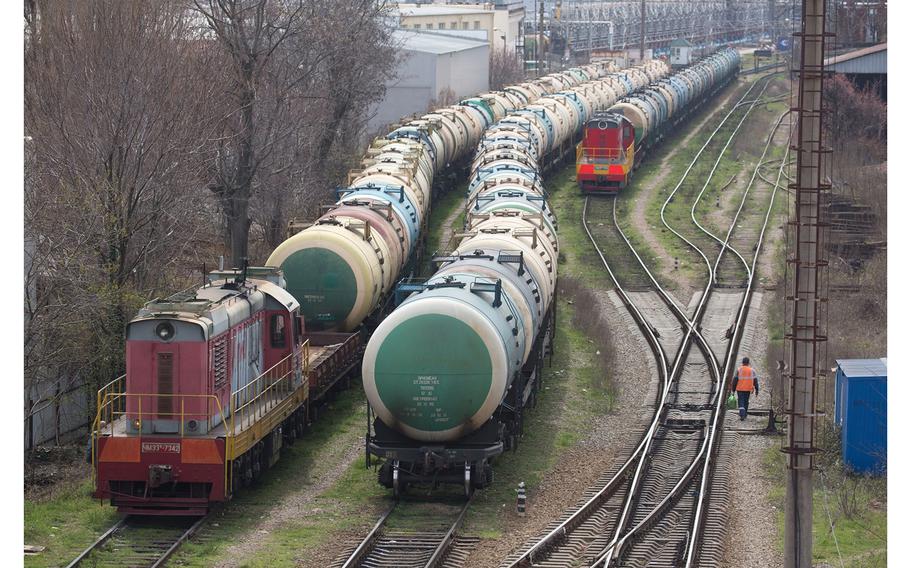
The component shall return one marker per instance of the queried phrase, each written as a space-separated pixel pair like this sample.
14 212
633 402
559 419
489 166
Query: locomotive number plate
160 447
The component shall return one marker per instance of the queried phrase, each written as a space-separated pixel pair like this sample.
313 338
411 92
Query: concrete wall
465 72
59 413
409 93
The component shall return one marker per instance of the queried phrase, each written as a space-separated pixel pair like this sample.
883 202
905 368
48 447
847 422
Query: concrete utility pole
644 28
808 291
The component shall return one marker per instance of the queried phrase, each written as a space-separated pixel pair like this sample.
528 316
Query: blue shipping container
861 410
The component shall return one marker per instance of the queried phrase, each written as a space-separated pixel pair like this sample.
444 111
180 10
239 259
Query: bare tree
506 68
116 94
302 75
250 32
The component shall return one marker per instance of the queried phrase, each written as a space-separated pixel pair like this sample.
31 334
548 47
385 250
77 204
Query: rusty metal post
807 293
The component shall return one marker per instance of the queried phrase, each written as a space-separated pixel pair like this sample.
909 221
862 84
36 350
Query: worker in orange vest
744 382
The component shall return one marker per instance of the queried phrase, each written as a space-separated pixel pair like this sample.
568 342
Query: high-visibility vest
746 379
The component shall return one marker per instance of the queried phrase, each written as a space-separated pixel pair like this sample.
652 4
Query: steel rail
367 543
680 313
751 181
101 540
704 187
562 530
123 523
676 371
729 361
186 534
448 539
615 548
689 169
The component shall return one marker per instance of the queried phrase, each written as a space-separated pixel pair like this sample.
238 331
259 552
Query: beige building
500 21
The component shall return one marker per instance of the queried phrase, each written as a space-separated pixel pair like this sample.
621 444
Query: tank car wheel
256 461
290 432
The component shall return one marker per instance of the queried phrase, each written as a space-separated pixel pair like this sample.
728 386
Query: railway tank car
343 267
450 370
616 140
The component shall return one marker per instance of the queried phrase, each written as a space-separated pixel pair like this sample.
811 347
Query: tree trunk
239 218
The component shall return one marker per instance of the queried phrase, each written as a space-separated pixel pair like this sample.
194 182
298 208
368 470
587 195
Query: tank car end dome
435 370
323 276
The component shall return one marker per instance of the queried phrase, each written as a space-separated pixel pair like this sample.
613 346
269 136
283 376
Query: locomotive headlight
136 424
165 331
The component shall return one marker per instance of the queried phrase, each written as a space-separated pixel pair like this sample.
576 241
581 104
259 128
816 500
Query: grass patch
740 156
857 510
65 524
450 199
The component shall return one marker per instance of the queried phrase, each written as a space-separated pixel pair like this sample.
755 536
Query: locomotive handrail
112 403
273 385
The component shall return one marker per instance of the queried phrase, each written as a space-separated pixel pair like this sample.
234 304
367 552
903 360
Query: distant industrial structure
578 30
436 69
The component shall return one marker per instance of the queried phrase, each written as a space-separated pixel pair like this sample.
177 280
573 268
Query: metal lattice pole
807 295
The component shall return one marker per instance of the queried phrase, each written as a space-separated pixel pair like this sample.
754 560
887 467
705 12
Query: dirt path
648 192
750 508
448 230
331 462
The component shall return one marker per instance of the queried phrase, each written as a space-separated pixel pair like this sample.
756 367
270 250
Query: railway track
428 540
138 542
654 504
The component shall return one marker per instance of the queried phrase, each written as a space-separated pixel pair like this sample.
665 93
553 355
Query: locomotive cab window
279 332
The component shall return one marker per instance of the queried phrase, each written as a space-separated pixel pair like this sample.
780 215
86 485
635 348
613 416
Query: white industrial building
436 67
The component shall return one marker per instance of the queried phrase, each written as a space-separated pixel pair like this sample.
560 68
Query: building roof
873 59
680 43
864 367
438 43
435 10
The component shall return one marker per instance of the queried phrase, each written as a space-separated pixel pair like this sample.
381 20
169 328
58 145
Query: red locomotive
216 382
605 156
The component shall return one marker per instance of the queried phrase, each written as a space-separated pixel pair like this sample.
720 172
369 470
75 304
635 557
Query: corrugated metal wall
874 63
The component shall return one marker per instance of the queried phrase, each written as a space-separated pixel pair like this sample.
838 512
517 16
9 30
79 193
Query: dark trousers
743 398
